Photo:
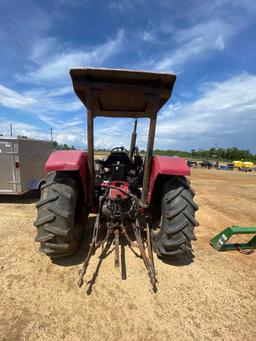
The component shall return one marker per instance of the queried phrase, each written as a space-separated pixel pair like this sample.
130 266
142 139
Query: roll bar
122 93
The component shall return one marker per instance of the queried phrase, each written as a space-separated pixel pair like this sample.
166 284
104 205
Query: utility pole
11 129
51 134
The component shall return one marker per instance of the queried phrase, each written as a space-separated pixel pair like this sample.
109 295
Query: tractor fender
166 165
35 184
69 160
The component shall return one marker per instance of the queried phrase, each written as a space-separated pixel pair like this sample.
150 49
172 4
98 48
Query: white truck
22 163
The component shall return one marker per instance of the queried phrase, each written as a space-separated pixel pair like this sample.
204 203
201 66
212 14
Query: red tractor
149 196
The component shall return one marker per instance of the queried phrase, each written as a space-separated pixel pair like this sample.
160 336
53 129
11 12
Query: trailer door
7 167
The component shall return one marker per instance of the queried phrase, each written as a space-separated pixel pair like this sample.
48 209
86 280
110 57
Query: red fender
69 160
166 165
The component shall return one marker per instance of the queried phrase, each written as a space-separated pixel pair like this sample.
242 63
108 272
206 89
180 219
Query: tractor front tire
59 224
177 222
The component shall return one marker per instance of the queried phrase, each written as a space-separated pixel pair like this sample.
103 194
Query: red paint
141 210
166 165
69 160
94 210
115 193
76 160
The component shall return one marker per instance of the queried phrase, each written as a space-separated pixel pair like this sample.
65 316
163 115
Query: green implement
219 241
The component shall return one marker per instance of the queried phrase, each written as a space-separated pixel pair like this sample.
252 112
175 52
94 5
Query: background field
212 297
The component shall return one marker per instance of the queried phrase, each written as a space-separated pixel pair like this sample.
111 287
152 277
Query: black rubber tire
177 223
59 225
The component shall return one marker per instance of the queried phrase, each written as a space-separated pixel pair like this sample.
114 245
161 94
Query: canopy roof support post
148 160
90 146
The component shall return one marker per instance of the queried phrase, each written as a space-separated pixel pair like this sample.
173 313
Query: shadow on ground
182 260
26 198
79 256
107 248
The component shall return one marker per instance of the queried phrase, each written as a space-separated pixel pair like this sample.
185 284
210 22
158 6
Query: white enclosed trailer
22 163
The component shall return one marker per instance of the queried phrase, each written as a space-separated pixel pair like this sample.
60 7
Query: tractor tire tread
46 200
43 220
57 231
178 219
44 238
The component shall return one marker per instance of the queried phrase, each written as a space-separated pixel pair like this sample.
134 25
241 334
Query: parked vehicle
150 195
244 166
237 164
192 164
22 162
206 164
247 166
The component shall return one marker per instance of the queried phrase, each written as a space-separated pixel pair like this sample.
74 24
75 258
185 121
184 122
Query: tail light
17 164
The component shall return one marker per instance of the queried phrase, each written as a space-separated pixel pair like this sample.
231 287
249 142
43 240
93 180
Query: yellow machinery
238 164
248 165
243 164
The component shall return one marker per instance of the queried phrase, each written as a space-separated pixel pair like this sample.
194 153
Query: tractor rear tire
177 222
59 215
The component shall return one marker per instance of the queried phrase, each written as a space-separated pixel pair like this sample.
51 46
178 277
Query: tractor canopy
122 93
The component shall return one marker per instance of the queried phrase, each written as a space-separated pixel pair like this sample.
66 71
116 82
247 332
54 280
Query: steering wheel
119 150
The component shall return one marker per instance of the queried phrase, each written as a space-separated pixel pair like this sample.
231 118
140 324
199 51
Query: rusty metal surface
121 93
149 266
133 138
116 247
148 160
91 166
92 248
115 228
149 244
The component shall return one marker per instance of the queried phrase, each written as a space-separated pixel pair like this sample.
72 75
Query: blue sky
209 45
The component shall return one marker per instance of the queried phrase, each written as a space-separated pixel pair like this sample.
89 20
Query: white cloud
123 5
73 136
57 65
149 36
116 6
42 49
48 103
209 27
224 111
220 43
22 23
40 101
194 43
112 132
62 133
12 99
19 128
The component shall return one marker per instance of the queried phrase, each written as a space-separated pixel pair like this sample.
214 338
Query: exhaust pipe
134 138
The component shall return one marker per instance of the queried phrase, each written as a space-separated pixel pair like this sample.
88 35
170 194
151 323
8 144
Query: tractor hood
122 93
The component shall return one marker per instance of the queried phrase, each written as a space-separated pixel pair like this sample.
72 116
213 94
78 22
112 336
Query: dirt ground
210 298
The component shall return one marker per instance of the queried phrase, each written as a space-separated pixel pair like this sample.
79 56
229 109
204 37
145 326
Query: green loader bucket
219 242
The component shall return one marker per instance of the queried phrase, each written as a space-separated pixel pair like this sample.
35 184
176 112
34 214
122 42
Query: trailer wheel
177 222
59 215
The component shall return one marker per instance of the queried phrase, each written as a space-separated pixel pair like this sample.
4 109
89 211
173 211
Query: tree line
225 154
58 146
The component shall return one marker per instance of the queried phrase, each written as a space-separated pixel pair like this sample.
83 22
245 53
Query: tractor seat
118 157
